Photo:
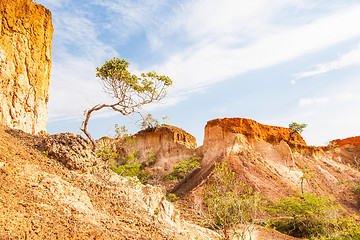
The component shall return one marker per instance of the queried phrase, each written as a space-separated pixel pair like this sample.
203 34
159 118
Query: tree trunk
291 135
86 121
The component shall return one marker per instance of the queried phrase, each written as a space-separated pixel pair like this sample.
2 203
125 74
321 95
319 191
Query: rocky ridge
25 62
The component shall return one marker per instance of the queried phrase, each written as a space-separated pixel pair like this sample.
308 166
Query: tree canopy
129 91
299 128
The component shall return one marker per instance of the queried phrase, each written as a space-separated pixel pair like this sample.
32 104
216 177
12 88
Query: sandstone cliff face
168 144
353 143
25 62
250 129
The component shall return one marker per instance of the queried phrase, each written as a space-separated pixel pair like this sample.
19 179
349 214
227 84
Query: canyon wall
25 62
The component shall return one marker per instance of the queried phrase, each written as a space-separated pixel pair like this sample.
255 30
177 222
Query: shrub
171 197
105 153
346 229
350 147
150 160
123 132
307 174
131 158
131 170
126 167
355 186
149 123
306 216
230 203
182 168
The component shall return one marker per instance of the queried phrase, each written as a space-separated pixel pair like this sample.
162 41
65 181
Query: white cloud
76 53
127 17
76 35
348 59
208 62
230 22
348 97
303 102
221 40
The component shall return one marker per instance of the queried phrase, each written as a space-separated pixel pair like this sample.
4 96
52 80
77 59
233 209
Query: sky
275 62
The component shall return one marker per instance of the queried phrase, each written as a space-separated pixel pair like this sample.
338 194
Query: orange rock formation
167 143
25 61
263 158
253 130
169 133
348 142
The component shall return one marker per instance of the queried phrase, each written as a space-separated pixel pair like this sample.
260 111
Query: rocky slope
53 187
25 62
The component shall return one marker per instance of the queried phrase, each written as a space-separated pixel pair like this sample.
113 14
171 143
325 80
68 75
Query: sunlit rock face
167 143
25 62
264 158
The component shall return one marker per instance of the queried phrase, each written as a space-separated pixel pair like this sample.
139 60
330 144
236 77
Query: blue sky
272 61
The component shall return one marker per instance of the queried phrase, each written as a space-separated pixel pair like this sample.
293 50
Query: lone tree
129 91
297 128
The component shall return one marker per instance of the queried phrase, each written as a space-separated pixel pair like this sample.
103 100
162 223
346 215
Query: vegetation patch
231 205
182 168
313 217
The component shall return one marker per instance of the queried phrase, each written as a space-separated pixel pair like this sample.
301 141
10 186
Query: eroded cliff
25 62
250 129
167 143
263 158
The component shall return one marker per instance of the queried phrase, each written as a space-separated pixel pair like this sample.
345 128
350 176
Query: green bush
149 123
150 160
182 168
306 216
231 203
171 197
105 153
131 158
126 167
131 170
